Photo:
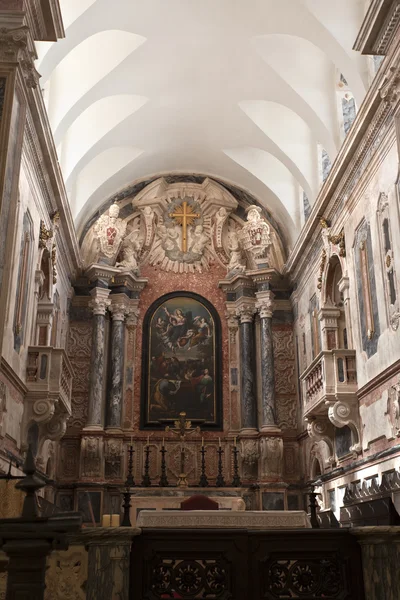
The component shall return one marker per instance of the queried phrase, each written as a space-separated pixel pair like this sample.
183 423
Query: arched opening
336 336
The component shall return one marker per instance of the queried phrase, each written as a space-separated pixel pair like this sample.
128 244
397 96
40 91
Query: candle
131 440
114 520
163 442
219 442
148 440
235 441
202 442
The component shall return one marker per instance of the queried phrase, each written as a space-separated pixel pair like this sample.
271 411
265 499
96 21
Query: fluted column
114 397
265 307
99 304
245 312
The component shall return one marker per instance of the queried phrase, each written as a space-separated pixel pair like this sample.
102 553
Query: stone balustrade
332 376
49 373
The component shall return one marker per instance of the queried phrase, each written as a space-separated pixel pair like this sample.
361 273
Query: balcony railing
49 374
332 376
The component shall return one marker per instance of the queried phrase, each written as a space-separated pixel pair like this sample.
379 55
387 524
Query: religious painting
181 362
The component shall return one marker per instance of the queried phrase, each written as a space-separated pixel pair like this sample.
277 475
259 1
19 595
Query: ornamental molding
265 304
320 429
118 310
15 47
100 301
246 310
390 90
346 413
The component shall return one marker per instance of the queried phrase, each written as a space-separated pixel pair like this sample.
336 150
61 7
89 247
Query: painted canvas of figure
181 369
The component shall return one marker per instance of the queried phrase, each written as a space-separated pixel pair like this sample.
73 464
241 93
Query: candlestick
130 482
163 479
146 481
203 478
220 481
236 479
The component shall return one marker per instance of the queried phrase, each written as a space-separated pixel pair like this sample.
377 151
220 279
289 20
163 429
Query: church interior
199 299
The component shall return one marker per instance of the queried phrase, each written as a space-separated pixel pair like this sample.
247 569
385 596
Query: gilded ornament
44 235
53 262
321 269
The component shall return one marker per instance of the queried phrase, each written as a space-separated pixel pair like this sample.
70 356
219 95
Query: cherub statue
200 239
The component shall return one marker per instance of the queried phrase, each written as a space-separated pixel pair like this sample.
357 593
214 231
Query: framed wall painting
181 362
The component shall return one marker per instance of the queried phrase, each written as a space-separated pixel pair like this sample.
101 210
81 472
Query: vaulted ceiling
245 90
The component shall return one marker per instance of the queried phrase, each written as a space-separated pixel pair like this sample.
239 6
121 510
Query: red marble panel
204 284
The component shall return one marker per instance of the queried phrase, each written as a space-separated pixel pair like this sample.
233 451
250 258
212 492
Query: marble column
247 383
115 393
99 304
265 306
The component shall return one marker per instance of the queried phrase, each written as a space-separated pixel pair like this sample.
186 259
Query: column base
90 428
248 432
115 430
270 429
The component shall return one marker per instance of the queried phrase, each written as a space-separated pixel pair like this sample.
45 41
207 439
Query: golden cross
182 427
185 217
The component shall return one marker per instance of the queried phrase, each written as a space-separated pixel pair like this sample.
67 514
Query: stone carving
321 430
69 459
199 241
56 428
54 262
265 304
148 218
91 466
233 325
66 575
394 394
100 302
113 453
390 91
183 234
110 230
250 454
271 457
44 235
343 413
255 235
237 263
336 240
130 251
220 220
14 48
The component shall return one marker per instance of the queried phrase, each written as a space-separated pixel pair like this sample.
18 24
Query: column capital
16 45
132 315
118 310
100 301
265 304
246 310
